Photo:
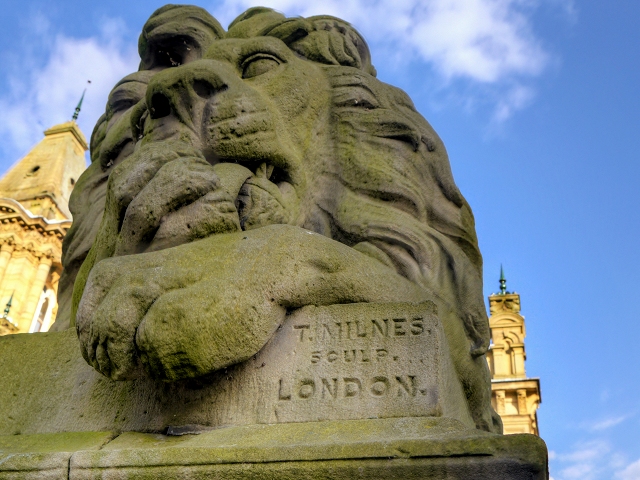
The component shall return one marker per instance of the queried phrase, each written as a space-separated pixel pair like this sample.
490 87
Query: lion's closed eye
259 64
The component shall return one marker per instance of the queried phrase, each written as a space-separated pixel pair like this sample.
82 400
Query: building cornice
13 210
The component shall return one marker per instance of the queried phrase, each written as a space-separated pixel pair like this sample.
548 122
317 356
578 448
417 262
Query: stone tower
34 217
515 397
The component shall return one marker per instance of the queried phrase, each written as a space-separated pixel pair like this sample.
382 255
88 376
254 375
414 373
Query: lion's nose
178 91
160 106
161 100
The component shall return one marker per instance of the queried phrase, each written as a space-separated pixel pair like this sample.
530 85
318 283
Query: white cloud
582 471
480 39
587 452
632 472
618 461
593 460
41 96
485 42
607 423
585 462
515 98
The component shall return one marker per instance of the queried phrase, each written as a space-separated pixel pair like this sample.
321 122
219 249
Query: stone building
515 396
34 218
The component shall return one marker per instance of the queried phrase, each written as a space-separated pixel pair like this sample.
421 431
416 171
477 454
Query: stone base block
396 448
339 362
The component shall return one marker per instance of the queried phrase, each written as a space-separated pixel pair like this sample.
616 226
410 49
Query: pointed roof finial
7 309
503 282
75 115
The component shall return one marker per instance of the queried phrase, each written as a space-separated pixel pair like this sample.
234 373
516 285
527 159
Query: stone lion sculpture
242 174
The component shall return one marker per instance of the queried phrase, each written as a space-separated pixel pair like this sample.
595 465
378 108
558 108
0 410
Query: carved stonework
522 401
500 401
508 302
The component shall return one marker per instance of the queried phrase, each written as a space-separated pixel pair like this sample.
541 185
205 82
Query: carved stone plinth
341 362
345 391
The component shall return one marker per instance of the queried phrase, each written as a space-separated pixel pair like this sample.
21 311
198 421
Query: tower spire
75 115
79 106
503 282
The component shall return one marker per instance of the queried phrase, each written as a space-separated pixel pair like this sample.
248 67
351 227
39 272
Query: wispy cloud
515 98
489 43
567 7
606 423
587 452
46 93
591 460
631 472
584 462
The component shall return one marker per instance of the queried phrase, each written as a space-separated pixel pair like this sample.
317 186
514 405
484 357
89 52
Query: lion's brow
351 80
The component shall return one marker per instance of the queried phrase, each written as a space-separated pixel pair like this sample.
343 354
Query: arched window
43 311
40 318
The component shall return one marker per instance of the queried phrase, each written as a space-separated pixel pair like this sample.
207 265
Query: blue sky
538 102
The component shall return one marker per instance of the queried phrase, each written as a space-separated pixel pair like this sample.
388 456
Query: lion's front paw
117 295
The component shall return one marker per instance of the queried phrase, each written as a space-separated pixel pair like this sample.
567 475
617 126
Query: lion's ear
265 22
323 39
260 12
335 42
